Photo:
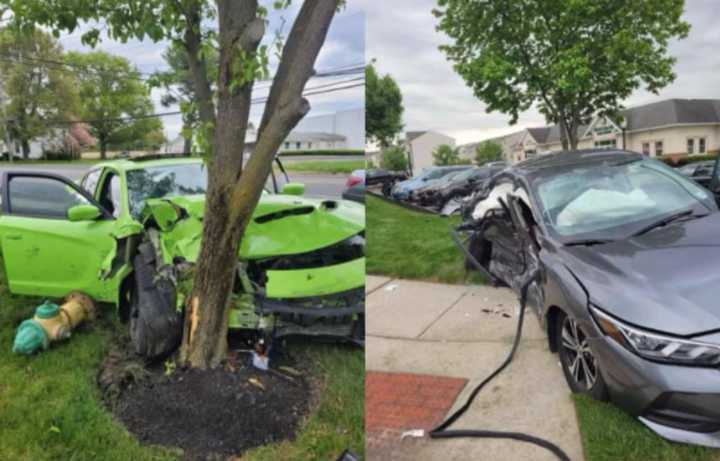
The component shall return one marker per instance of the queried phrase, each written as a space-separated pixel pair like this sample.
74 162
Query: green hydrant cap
30 337
47 310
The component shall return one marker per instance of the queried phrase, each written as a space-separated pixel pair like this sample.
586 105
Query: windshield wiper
667 220
587 242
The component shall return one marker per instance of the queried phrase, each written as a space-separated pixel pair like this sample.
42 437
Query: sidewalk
437 337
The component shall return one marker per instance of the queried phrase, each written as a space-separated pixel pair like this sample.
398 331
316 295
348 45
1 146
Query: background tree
114 101
445 154
394 158
37 93
233 188
383 107
177 84
574 59
488 151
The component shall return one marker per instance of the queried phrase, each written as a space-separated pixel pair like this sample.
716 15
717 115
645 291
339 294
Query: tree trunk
563 133
25 148
103 147
232 196
187 143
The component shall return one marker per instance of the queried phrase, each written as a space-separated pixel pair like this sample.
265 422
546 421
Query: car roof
139 164
547 164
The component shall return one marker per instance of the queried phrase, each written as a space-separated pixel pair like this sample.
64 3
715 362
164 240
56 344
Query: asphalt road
316 185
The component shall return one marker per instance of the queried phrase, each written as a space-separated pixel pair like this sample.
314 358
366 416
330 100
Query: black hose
442 432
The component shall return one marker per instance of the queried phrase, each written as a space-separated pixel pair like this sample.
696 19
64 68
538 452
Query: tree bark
26 148
563 133
233 193
103 146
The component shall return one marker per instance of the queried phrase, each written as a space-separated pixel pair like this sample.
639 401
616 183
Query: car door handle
13 236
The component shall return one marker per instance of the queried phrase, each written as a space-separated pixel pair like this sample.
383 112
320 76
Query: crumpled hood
665 280
281 225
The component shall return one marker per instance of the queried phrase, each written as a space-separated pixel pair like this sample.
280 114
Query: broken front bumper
327 301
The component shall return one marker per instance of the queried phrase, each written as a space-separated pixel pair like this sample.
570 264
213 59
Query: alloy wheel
580 360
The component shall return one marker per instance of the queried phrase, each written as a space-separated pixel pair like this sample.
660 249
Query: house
68 140
420 146
673 127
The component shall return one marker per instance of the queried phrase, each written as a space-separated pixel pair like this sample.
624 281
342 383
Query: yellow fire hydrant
53 323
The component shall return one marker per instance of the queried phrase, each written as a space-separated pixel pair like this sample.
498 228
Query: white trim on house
670 125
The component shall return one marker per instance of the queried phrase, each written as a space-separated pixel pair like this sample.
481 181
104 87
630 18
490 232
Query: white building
349 124
300 140
340 130
420 146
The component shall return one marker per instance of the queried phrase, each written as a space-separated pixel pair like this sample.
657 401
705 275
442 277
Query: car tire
155 324
580 366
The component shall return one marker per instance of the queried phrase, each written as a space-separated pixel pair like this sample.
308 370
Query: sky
344 47
403 41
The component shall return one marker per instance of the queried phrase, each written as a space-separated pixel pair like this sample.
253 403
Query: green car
129 234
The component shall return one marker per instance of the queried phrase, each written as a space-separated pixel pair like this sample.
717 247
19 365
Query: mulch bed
210 414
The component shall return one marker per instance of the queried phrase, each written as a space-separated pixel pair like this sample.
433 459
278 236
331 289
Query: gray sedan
626 254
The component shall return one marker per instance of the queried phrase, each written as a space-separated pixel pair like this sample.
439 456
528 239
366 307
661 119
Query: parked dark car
384 178
405 189
446 196
700 172
627 256
355 193
355 187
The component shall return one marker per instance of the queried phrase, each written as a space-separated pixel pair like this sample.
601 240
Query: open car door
46 253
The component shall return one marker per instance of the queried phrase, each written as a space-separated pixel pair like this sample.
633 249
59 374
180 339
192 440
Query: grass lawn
326 166
412 245
609 434
50 407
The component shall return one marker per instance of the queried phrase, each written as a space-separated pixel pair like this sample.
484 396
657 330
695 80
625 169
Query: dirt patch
209 414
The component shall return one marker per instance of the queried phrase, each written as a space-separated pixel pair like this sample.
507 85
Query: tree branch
240 31
285 106
198 67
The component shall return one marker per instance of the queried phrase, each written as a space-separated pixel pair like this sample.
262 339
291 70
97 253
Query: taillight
352 180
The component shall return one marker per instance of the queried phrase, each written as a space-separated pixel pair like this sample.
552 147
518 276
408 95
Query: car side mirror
83 213
293 188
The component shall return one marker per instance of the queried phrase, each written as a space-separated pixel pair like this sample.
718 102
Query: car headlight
656 346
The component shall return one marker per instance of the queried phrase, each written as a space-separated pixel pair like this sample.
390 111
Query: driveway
316 185
435 335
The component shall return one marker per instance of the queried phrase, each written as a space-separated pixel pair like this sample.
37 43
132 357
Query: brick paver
403 401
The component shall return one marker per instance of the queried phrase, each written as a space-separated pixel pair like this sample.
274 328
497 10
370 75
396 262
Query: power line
137 75
309 92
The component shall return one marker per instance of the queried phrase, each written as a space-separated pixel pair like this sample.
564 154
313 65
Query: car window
434 174
481 173
42 197
89 182
593 198
703 170
687 169
110 194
